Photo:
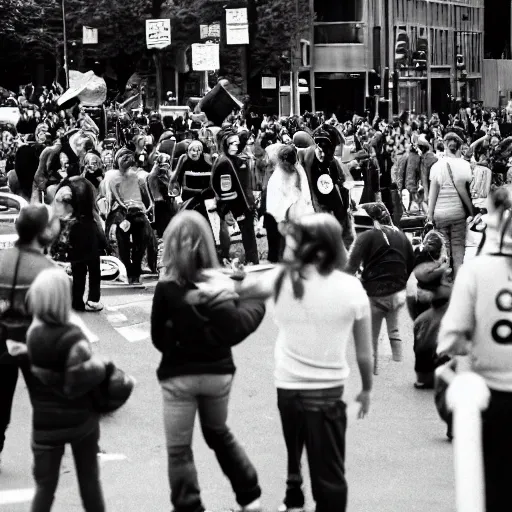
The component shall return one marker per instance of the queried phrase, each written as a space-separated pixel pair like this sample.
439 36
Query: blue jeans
209 395
47 459
315 419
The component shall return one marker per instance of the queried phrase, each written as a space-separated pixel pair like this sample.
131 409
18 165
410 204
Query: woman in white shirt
318 309
449 202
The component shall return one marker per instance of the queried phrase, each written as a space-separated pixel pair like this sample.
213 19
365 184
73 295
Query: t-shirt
449 207
314 331
480 313
125 187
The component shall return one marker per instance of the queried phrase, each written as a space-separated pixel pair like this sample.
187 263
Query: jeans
455 236
209 395
132 243
249 238
79 271
47 461
317 420
497 447
388 308
8 380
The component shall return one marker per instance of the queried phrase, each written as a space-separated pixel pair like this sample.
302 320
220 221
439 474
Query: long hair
49 297
189 248
318 239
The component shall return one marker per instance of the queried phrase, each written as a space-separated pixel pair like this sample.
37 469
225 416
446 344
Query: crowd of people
187 185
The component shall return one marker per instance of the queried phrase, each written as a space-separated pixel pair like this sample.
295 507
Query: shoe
93 307
284 508
134 280
423 385
396 349
255 506
80 308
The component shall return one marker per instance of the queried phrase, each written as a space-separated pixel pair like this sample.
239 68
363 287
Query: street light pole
429 62
65 40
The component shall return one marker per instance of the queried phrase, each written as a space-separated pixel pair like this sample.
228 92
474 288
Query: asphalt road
398 459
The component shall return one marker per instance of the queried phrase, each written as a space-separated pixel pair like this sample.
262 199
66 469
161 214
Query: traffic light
401 48
419 57
461 62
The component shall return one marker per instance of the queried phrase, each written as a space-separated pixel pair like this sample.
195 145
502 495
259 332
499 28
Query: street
398 458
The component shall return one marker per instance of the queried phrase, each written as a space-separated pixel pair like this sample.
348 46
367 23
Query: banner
237 27
205 57
158 33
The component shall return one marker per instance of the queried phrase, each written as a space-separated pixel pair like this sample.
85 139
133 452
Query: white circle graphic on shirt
325 184
504 300
502 332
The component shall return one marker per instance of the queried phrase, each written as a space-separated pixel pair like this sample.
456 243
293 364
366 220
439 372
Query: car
112 269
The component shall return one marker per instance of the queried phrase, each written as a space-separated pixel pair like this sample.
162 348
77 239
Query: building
497 77
417 55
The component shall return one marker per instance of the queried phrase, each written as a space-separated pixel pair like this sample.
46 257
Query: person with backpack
19 266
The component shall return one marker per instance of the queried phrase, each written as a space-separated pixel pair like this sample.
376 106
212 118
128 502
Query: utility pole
65 40
429 62
391 58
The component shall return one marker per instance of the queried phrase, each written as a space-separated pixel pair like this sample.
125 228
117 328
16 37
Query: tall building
497 77
417 55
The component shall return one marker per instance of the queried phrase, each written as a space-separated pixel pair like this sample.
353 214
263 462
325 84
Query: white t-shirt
449 207
480 313
310 351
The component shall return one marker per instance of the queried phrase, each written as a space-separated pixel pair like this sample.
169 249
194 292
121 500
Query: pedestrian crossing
132 320
14 496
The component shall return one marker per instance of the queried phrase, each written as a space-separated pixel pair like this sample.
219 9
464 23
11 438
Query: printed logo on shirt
325 184
502 330
225 182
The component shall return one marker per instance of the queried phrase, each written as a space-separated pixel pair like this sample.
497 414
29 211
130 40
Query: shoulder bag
468 213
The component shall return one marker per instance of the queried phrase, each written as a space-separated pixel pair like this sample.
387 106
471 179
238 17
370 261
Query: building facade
417 55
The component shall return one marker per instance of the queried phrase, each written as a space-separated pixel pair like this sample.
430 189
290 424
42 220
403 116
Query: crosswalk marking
133 333
16 496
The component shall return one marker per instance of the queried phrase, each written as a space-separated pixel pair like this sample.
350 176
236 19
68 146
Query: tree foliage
35 26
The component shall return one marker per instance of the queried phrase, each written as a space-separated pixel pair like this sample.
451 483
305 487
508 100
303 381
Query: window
338 10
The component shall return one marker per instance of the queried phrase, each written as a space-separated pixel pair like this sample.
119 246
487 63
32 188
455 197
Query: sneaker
93 307
284 508
255 506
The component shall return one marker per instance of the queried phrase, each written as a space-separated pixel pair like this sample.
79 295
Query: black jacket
198 339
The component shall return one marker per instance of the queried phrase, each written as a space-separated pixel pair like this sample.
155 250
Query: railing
343 32
467 396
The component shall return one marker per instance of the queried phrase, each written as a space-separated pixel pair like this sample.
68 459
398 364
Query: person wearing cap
326 178
19 266
387 259
228 184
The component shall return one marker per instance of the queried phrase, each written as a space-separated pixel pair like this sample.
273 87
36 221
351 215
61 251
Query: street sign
90 35
205 57
268 82
158 33
237 27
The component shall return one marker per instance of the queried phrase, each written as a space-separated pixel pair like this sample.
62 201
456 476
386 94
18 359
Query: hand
364 399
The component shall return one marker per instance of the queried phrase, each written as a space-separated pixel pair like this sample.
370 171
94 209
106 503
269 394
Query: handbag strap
454 185
15 279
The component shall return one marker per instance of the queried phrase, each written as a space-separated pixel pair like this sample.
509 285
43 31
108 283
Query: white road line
16 496
135 333
117 318
109 457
